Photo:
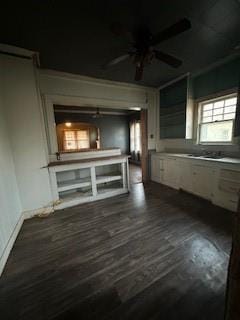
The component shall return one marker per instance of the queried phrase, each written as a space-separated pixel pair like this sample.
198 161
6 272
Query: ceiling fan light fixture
143 50
97 115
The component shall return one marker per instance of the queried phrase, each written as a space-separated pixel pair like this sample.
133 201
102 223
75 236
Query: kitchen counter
216 180
66 162
229 160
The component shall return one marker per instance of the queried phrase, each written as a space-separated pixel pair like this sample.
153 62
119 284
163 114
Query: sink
212 157
194 155
208 156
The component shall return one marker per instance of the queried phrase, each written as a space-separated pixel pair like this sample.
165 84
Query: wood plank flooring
154 254
135 173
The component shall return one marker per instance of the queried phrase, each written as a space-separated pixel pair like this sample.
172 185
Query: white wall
10 206
62 88
26 131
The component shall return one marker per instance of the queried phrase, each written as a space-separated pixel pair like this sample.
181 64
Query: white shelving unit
73 184
108 178
87 180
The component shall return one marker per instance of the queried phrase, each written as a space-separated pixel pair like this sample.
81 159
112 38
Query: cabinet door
227 189
171 172
203 181
186 175
156 169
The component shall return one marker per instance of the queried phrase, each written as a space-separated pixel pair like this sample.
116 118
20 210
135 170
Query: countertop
187 156
64 162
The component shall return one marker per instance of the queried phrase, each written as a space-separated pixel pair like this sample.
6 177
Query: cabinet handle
161 169
233 201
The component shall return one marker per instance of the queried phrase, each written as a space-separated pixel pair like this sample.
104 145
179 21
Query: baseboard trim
11 241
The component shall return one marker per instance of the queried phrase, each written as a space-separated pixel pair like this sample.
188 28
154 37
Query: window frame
76 140
200 116
134 137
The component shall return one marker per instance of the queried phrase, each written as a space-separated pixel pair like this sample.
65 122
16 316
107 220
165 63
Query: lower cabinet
196 179
227 189
202 181
185 180
157 169
207 180
171 172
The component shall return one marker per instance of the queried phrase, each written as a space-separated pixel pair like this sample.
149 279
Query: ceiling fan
142 51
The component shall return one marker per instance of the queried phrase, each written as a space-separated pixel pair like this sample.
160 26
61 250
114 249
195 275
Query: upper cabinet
177 112
173 104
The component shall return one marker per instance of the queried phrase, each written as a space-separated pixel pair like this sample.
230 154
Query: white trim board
93 111
50 100
90 80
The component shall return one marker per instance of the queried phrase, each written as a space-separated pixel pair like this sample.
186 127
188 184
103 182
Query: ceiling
75 37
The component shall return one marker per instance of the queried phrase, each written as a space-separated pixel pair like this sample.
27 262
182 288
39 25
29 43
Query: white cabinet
185 180
171 172
157 169
202 181
214 181
227 189
165 170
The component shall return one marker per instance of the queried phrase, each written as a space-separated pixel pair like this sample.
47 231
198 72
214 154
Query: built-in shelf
73 184
75 195
108 177
109 187
83 182
109 190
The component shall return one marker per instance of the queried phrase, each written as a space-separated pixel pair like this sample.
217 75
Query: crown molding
91 80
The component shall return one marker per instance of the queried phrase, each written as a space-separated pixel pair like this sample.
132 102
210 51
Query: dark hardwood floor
135 173
153 254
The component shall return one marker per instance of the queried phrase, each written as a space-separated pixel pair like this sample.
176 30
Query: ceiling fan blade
175 29
116 61
139 72
170 60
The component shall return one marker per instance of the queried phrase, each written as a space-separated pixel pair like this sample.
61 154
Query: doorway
138 147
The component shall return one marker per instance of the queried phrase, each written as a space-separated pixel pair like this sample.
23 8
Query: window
135 137
216 121
76 139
